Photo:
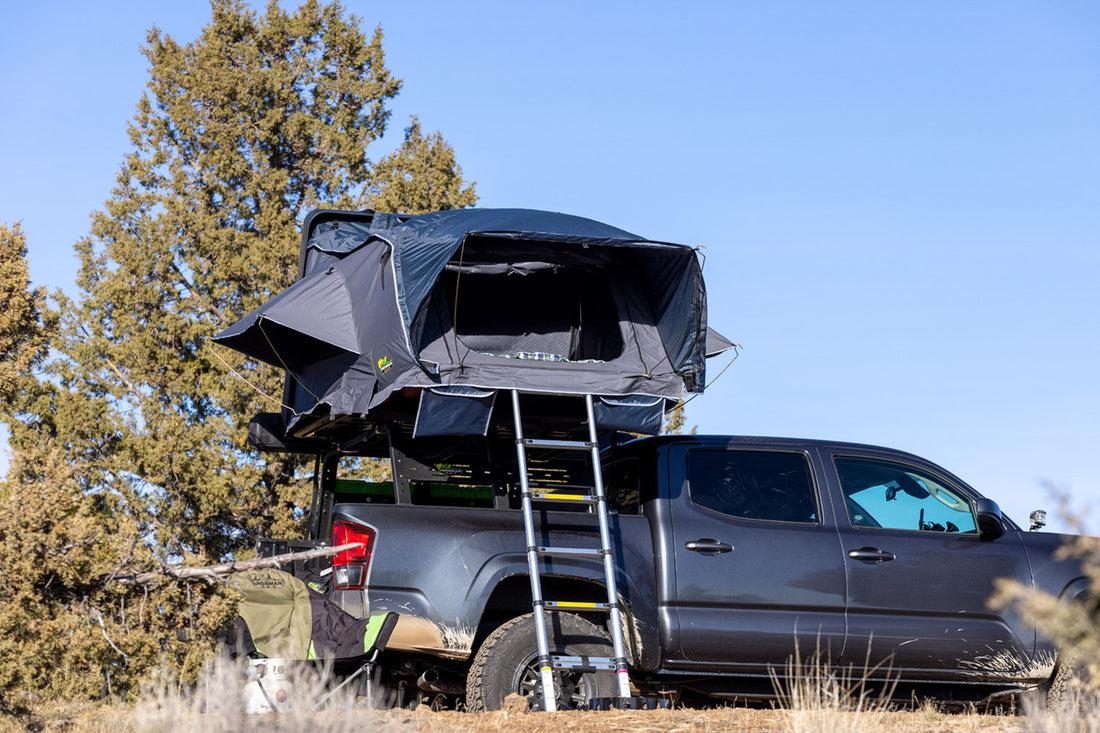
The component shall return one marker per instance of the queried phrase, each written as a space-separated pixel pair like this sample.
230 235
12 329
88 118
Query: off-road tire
1062 695
508 663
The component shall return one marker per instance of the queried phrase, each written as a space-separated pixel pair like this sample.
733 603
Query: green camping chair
283 618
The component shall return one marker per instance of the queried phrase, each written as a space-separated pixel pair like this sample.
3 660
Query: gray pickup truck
403 338
734 555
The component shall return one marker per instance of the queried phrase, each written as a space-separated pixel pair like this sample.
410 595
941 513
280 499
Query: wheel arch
511 597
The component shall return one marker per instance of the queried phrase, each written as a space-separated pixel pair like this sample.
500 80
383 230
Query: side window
895 496
753 485
621 483
363 481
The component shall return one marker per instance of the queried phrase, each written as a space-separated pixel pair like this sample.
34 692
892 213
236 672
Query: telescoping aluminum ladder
547 662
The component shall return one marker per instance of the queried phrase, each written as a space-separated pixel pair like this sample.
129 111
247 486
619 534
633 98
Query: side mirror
990 523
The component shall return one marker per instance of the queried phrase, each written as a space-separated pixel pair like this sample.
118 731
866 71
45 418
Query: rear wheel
1065 693
508 663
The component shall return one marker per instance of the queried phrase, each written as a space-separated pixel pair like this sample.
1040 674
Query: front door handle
708 546
871 554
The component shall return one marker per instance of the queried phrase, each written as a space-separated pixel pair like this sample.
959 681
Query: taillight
349 568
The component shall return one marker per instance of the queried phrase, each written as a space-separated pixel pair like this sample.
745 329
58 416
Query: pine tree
421 176
240 134
49 533
138 420
22 333
675 420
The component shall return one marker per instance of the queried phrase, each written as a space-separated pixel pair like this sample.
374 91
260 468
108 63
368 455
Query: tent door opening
560 313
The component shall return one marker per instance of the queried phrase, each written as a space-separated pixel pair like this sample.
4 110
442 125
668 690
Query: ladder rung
578 605
583 664
559 444
554 496
570 551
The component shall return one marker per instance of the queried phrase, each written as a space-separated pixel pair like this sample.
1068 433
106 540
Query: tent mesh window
554 312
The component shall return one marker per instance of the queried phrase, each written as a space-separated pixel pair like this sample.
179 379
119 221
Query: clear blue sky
900 202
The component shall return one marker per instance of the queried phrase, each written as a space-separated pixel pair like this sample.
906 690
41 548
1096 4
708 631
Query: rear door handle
708 546
871 554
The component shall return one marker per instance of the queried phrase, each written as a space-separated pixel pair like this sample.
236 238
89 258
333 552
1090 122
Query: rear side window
753 485
622 484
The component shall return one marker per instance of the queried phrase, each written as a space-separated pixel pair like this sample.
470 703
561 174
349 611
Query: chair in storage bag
283 621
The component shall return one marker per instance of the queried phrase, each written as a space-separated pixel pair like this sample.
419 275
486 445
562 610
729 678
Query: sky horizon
898 202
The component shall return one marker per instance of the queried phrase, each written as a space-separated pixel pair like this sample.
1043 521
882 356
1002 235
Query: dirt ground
81 719
697 721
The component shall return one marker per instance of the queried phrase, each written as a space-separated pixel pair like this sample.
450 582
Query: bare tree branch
211 573
103 627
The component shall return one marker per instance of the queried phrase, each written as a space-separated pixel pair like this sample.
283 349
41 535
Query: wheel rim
572 690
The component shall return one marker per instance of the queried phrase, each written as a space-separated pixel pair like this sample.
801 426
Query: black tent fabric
456 304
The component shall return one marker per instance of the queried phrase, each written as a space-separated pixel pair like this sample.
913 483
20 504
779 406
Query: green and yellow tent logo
385 364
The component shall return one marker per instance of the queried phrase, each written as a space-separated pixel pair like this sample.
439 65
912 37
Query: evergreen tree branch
219 317
118 372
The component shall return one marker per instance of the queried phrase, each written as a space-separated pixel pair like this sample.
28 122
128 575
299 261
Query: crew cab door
919 578
756 558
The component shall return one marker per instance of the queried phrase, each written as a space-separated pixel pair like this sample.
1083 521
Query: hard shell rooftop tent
425 318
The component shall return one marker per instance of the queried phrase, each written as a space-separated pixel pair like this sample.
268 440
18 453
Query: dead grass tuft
218 703
816 698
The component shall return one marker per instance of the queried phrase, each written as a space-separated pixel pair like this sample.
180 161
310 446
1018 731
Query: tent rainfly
455 305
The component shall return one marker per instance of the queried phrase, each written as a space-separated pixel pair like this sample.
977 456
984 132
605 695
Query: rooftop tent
430 315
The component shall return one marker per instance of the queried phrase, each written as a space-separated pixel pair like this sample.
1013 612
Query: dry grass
219 703
815 698
811 700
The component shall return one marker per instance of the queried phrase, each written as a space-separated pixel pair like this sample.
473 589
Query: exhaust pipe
431 681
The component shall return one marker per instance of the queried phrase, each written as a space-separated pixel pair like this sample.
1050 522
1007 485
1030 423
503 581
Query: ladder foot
630 703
